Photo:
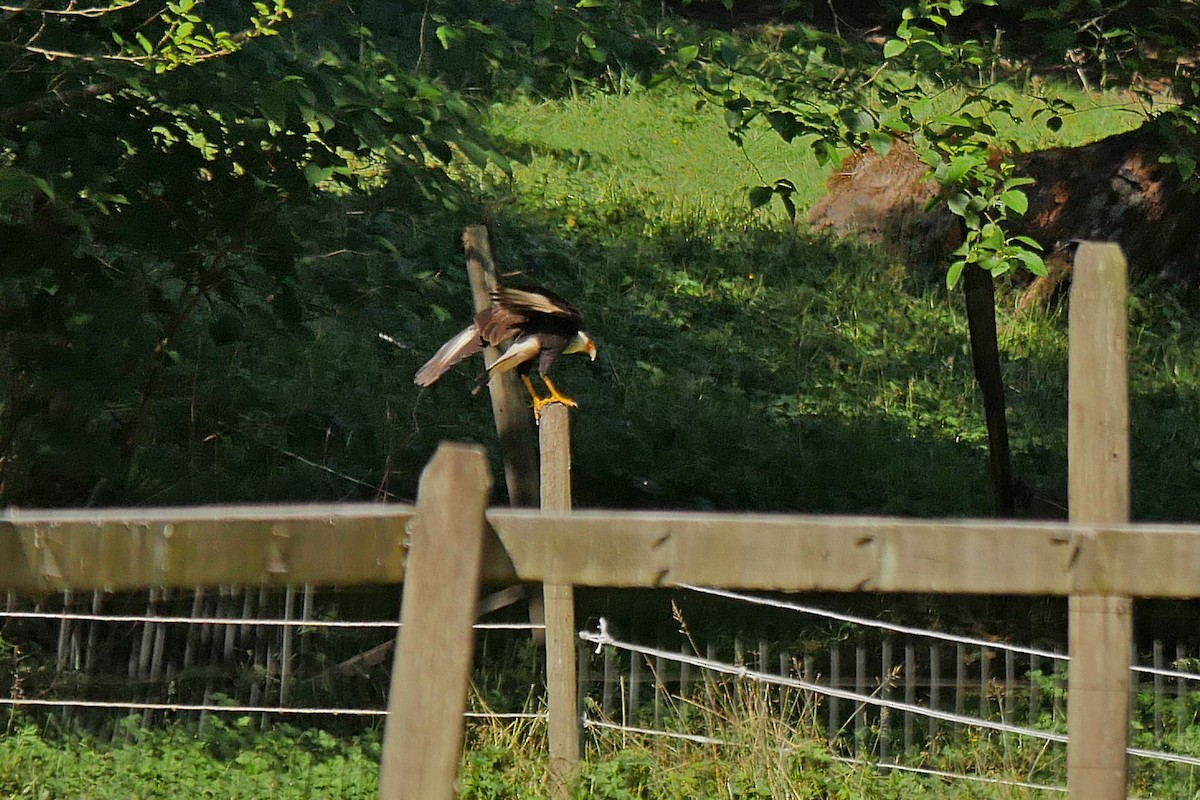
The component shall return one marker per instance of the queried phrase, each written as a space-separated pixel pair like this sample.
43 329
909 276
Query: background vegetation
208 213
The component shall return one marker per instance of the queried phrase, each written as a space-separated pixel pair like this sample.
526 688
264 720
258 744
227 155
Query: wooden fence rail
1097 558
346 545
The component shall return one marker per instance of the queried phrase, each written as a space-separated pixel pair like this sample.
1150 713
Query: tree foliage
182 182
154 163
944 78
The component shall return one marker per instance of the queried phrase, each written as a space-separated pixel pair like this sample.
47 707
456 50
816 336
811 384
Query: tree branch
70 11
37 109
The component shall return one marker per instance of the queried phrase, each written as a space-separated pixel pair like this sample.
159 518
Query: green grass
230 760
748 364
765 742
768 744
649 148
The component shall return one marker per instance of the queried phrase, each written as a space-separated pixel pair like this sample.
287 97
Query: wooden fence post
1098 491
561 635
513 427
422 742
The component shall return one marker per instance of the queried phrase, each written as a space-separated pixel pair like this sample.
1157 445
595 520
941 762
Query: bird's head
582 343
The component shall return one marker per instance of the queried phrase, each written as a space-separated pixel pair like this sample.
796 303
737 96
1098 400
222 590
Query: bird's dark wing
497 323
528 301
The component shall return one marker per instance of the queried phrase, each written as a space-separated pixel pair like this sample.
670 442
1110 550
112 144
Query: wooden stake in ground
422 743
1098 441
561 638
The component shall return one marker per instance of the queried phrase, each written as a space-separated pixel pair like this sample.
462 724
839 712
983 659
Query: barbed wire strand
911 631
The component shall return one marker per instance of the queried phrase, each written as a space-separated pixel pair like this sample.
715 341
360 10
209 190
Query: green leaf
1015 200
1031 261
315 174
958 168
543 34
786 125
857 121
448 36
145 43
1186 163
894 47
477 155
955 273
1014 182
958 204
826 153
881 142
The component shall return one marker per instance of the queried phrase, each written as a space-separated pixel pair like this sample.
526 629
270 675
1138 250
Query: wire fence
322 656
303 653
894 709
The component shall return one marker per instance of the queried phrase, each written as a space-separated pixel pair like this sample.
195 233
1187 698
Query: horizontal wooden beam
851 554
365 544
202 546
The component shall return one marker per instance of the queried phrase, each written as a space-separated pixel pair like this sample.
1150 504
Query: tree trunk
979 290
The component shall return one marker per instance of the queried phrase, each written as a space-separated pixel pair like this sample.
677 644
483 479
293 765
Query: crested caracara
539 326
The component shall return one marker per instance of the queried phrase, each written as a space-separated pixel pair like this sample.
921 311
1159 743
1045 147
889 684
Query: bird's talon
540 403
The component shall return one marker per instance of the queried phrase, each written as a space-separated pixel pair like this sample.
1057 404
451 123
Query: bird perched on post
539 326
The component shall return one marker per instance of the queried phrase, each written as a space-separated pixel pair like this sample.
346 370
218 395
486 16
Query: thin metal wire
602 638
922 632
691 737
588 722
873 623
144 706
937 773
239 621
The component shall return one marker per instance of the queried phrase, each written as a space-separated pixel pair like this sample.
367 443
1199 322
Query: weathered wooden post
513 428
1098 490
561 687
508 397
422 742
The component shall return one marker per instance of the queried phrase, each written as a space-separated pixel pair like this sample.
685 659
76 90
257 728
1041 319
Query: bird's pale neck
582 343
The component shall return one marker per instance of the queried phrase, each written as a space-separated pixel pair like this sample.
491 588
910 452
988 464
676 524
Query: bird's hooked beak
590 348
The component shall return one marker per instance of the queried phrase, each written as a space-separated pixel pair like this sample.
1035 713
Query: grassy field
752 365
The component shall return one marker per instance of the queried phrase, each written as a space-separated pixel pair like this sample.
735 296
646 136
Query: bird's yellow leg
538 402
529 387
556 396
